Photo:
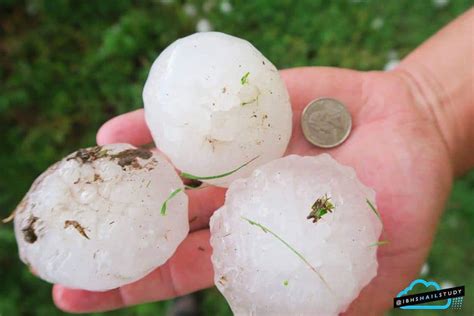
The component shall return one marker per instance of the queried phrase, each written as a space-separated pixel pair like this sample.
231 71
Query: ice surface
213 102
259 275
92 220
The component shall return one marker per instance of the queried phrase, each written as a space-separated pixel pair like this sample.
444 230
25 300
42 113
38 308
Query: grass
164 207
287 245
66 67
372 207
225 174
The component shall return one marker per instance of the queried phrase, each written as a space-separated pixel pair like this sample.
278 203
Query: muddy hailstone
213 102
261 275
92 220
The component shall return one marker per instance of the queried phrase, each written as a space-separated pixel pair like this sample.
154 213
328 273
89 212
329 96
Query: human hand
395 147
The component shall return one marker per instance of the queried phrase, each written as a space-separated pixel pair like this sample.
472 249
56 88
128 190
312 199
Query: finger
189 270
202 204
131 128
128 128
384 286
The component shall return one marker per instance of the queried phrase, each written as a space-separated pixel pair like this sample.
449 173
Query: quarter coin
326 122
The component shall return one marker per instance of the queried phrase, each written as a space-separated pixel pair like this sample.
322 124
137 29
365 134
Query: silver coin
326 122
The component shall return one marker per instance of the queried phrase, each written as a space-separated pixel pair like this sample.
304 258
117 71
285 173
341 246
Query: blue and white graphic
427 285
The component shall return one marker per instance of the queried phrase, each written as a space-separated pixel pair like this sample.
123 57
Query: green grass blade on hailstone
379 243
245 78
172 195
200 186
193 177
296 252
374 209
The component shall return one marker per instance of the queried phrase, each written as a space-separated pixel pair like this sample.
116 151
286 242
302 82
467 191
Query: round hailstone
327 259
213 102
92 220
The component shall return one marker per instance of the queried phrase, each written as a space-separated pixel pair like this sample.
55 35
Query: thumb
309 83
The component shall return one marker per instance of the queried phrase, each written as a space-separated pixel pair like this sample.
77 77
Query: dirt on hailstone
29 231
124 158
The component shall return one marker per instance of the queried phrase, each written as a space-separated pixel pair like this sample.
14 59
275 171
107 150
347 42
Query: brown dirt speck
29 231
193 183
129 157
222 280
77 226
87 155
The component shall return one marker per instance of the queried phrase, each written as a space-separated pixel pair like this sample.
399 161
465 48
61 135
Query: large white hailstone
327 259
213 102
92 220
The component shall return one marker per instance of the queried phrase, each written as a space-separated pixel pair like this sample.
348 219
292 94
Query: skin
412 134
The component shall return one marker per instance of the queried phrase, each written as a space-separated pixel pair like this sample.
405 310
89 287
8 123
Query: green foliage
68 66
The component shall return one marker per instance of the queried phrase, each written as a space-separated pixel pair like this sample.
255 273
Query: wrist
444 113
441 79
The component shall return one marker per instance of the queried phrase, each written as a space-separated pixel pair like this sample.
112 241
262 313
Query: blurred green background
68 66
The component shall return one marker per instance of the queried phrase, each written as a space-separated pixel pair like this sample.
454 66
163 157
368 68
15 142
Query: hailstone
92 220
213 102
297 237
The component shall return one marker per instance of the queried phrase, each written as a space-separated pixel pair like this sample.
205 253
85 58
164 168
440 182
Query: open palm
395 147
